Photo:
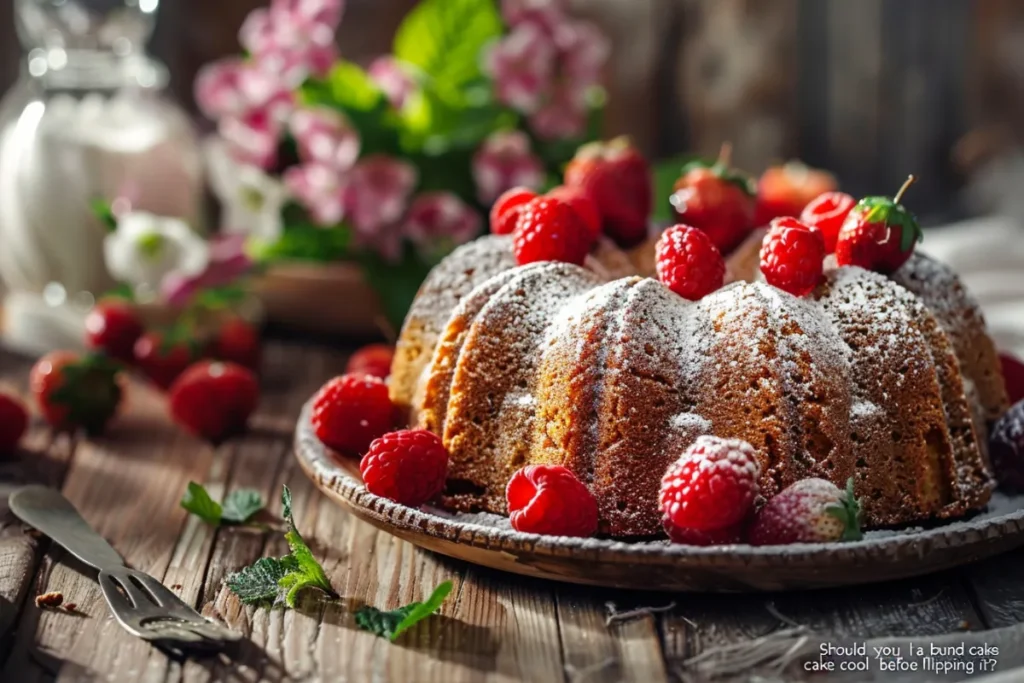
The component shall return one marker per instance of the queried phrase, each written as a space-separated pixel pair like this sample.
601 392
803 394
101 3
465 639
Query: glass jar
88 120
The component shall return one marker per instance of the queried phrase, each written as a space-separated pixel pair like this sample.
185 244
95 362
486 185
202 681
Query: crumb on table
51 599
70 607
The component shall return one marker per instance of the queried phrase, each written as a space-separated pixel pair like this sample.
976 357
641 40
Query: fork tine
165 597
112 592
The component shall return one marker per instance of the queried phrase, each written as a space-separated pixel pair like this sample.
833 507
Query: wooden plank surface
495 627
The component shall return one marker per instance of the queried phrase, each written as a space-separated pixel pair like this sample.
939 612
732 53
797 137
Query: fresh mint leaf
303 242
444 40
393 623
241 505
281 579
197 501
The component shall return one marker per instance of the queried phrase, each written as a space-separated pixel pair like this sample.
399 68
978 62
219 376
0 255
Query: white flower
146 248
251 200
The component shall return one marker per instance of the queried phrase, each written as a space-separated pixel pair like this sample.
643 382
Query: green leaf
286 506
122 291
444 39
666 173
847 511
396 284
217 298
739 178
885 210
197 501
260 581
393 623
241 504
101 209
303 242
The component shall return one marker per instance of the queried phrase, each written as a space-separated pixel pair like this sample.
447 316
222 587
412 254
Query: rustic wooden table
494 626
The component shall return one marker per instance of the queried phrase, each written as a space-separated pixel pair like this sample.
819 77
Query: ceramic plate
488 540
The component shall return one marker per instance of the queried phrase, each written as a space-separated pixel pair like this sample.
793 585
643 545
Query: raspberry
1006 446
689 263
826 213
725 536
1013 375
809 511
549 230
584 207
712 486
792 255
372 359
350 411
408 466
550 500
507 208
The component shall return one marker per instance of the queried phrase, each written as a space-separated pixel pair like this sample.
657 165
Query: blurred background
872 89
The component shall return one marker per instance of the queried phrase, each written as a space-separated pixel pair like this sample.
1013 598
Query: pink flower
584 51
227 262
232 87
252 139
393 79
377 192
320 189
325 137
293 38
545 13
521 64
563 114
440 219
505 161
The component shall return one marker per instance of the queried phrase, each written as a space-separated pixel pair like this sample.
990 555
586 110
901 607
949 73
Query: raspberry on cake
827 212
792 255
688 263
506 210
407 466
550 500
549 229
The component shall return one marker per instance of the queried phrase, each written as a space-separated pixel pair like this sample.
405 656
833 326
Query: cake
602 369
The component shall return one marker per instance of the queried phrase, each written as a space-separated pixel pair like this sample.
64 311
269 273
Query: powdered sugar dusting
691 423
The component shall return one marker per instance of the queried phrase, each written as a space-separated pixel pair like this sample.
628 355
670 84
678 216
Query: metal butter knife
142 605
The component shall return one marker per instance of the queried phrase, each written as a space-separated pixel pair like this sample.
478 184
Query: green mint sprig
238 507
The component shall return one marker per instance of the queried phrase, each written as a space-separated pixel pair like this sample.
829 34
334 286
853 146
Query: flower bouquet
388 166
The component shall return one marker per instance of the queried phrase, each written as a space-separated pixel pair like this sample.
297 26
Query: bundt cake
891 381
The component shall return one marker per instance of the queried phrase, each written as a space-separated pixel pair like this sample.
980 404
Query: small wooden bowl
659 565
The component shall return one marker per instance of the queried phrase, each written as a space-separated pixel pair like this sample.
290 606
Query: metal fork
142 605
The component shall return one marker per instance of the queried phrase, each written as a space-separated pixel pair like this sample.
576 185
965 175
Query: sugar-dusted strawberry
505 211
76 391
550 230
113 327
737 533
792 256
163 355
617 178
785 190
827 212
214 399
372 359
712 486
238 341
350 411
688 263
13 422
1013 375
808 511
407 466
550 500
715 198
584 207
1006 448
879 234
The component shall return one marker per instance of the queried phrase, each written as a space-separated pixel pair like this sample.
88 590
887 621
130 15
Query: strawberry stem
903 188
725 155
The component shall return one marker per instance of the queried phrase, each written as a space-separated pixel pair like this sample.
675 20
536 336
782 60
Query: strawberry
785 190
75 391
808 511
506 210
550 500
688 263
113 327
584 207
13 422
214 399
238 341
350 411
717 199
162 356
617 179
1006 447
372 359
879 234
1013 375
712 486
792 256
408 466
827 212
549 230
